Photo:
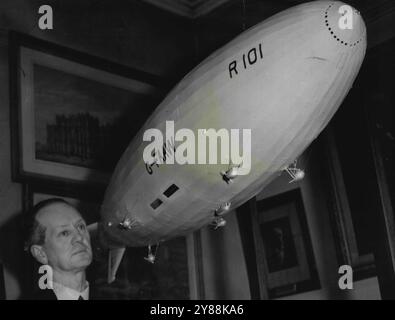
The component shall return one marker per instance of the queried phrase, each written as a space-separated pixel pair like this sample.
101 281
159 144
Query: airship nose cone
345 24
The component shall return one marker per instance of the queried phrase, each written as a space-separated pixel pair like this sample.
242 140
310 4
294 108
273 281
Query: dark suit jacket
46 294
49 294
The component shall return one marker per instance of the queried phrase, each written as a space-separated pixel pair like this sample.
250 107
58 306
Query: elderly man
59 238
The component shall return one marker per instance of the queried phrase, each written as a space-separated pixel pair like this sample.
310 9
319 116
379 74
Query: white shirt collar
65 293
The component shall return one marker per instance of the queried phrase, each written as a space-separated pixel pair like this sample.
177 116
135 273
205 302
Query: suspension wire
308 151
156 249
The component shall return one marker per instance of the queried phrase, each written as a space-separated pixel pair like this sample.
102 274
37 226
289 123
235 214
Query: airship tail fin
114 260
114 255
92 229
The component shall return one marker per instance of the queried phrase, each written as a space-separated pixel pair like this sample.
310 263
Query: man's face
67 243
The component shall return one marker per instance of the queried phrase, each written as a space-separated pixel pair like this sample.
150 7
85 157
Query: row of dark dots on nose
333 33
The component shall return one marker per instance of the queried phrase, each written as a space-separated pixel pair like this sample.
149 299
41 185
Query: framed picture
285 260
176 274
350 227
73 114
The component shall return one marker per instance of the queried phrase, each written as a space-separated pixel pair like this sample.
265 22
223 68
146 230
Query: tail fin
114 256
114 260
92 228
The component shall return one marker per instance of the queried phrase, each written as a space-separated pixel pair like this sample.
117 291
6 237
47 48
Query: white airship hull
283 79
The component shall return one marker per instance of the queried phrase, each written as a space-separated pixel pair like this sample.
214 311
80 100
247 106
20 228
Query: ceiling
197 8
188 8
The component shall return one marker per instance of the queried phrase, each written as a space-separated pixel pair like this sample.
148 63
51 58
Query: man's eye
65 233
82 227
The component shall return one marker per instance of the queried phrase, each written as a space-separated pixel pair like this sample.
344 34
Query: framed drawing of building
73 114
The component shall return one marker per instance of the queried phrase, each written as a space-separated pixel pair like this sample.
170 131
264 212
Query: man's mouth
81 250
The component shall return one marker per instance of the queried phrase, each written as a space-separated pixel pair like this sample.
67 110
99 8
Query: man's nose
78 235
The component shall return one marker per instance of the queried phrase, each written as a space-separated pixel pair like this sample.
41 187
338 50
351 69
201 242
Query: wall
130 33
10 193
127 32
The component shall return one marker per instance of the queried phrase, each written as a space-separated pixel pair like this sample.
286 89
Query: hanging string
156 249
307 158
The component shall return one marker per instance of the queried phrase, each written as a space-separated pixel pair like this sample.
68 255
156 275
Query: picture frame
348 247
178 266
73 114
285 263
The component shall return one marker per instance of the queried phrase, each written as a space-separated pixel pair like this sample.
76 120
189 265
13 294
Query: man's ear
39 254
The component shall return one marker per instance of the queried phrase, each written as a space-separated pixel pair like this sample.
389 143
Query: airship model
232 124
